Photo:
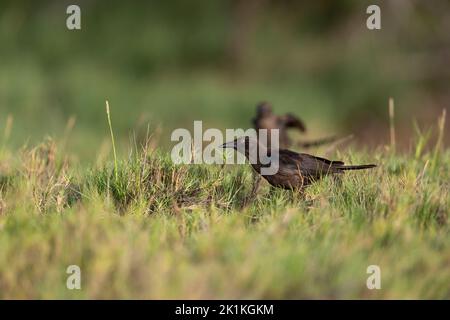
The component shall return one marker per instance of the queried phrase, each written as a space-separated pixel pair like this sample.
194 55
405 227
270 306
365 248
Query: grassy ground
153 229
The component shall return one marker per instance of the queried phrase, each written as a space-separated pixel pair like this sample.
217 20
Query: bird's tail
358 167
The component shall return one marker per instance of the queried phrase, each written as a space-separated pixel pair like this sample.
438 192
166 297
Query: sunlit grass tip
108 114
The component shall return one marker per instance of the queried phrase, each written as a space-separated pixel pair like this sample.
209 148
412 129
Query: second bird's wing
292 121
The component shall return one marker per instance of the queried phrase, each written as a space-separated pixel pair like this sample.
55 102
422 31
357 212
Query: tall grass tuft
392 123
108 114
439 142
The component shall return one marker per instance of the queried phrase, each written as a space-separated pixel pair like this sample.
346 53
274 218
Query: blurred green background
167 63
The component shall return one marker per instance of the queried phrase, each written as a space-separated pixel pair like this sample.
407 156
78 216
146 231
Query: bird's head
263 108
243 144
257 154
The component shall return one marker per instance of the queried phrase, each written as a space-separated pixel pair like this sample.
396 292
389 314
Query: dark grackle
295 170
266 119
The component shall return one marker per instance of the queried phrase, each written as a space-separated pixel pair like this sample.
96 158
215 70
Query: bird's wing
292 121
326 161
308 157
308 164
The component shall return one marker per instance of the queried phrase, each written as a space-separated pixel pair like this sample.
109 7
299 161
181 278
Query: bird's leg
256 184
301 193
337 180
256 181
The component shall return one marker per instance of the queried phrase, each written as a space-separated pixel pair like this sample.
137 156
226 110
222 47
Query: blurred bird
266 119
295 170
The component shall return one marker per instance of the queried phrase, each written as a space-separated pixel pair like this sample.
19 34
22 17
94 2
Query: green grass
161 230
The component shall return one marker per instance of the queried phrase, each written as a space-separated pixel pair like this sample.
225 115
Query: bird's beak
229 144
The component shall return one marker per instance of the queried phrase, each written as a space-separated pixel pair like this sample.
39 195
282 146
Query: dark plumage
296 170
266 119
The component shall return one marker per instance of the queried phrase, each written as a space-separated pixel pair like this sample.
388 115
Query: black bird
266 119
295 170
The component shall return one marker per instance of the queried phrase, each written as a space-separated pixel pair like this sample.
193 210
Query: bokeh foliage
169 63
